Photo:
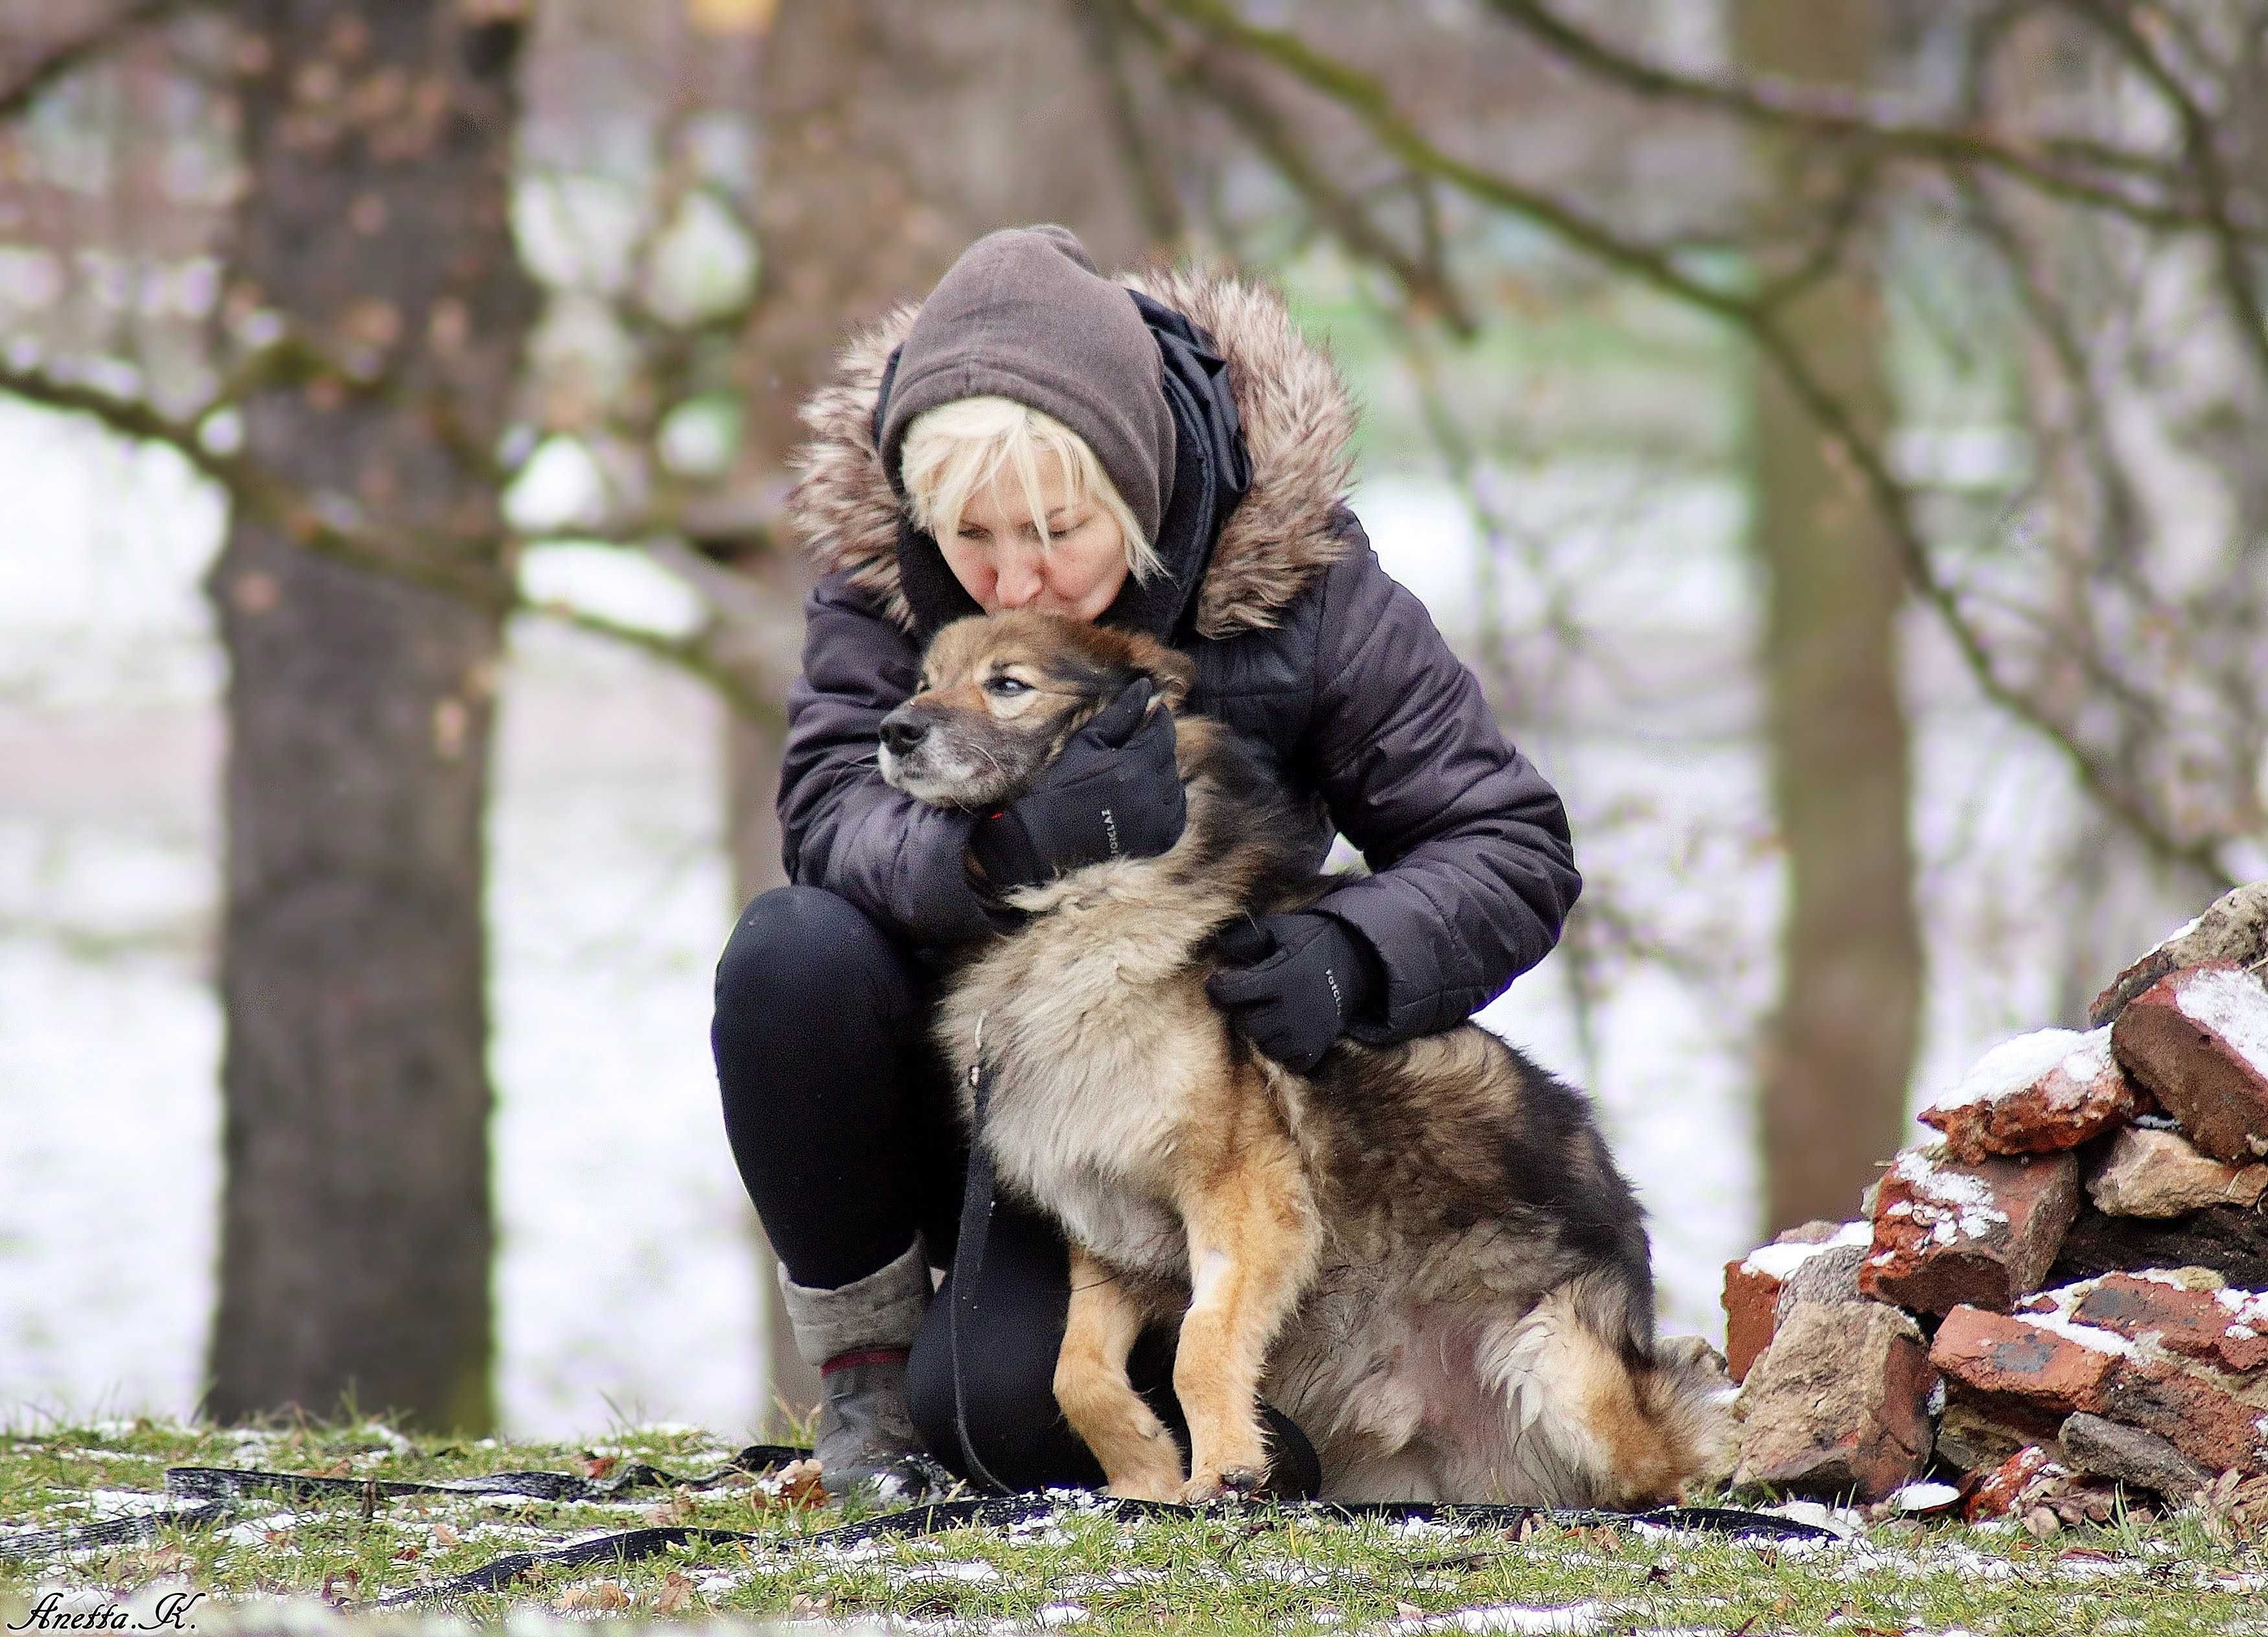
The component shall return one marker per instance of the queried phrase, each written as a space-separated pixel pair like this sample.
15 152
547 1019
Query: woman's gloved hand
1115 792
1293 982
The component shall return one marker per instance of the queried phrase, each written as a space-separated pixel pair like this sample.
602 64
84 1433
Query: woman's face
1069 559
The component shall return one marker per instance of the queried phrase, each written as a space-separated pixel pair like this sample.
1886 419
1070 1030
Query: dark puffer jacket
1300 639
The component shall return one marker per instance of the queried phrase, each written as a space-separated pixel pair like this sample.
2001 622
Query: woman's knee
800 952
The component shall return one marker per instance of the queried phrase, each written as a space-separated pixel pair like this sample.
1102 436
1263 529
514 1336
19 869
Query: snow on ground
627 1272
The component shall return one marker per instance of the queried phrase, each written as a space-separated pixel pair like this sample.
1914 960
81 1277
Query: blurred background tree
372 267
1831 431
1838 1050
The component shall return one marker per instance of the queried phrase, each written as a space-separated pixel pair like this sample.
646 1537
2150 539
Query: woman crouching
1165 454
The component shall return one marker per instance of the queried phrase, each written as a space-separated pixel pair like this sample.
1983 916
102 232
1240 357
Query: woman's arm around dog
842 828
1475 873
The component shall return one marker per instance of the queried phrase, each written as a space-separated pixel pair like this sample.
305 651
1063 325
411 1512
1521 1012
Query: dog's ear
1171 673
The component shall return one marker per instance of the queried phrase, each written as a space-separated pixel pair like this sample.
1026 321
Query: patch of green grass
1083 1572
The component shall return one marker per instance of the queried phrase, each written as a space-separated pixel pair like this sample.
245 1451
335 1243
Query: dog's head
1001 694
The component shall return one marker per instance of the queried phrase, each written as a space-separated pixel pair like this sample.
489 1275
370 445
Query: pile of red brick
2068 1289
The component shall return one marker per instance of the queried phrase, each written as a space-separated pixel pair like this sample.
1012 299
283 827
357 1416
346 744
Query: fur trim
883 1309
1297 418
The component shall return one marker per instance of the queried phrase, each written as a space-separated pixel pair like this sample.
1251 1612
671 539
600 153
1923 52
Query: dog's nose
901 734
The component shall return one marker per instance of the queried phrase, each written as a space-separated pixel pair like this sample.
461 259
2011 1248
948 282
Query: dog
1422 1252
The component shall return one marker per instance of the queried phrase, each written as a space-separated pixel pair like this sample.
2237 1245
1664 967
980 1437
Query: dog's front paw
1148 1486
1238 1483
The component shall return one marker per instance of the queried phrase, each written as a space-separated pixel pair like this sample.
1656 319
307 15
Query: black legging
843 1125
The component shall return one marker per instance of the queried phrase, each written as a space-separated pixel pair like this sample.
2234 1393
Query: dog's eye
1007 688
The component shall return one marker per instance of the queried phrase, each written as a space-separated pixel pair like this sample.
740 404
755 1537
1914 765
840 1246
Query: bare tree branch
1102 30
434 561
1842 116
2202 149
2059 332
1845 215
299 518
1265 126
18 95
1367 100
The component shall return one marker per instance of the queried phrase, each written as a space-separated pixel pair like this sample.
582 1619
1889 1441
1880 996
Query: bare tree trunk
1839 1051
356 1234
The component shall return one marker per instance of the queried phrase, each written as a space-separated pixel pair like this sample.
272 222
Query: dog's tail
1686 1391
1617 1419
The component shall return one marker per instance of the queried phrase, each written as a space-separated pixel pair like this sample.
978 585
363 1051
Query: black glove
1115 792
1293 983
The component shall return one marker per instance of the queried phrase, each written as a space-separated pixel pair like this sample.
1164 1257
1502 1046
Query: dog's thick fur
1422 1252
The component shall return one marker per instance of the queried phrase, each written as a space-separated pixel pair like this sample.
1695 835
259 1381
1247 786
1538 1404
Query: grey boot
866 1439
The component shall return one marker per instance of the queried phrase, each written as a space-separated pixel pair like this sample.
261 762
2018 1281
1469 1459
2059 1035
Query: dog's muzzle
902 732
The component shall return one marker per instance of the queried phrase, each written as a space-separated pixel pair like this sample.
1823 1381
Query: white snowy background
629 1264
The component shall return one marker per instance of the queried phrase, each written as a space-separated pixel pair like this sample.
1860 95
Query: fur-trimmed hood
1298 420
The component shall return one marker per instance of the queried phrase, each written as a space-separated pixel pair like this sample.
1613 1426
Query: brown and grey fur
1422 1252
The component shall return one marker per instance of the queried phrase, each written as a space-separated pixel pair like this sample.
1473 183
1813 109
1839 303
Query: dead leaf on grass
600 1594
798 1486
676 1594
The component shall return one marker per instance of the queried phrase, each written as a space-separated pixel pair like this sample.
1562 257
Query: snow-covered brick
1838 1404
2247 1310
2185 1312
1755 1284
2036 1094
2160 1174
2199 1042
2026 1370
1947 1233
1792 1250
1832 1276
2233 931
2008 1486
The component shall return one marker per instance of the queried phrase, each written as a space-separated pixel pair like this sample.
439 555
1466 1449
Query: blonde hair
955 449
